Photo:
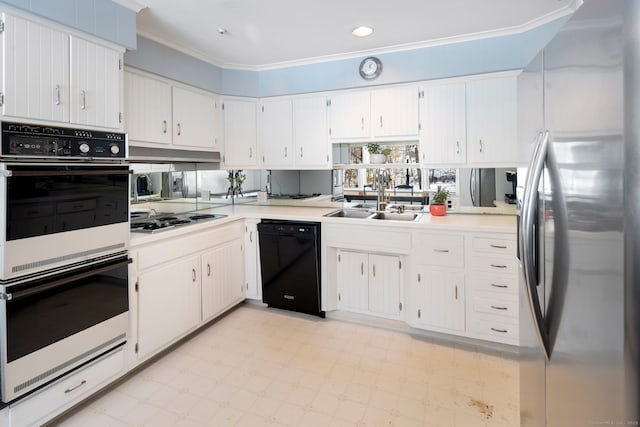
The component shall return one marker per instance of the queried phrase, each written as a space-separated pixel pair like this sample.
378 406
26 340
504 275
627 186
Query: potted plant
437 205
375 153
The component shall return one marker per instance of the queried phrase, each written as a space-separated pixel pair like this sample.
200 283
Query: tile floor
260 367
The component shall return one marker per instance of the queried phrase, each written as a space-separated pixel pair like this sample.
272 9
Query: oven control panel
23 140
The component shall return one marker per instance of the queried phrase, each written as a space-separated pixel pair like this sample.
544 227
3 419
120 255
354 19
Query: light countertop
451 221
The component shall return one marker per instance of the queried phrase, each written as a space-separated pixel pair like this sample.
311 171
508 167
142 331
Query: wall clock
370 68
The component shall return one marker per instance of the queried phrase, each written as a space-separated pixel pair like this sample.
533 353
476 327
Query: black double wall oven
63 251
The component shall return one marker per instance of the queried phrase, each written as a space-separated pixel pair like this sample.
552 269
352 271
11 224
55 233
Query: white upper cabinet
443 137
147 109
395 112
293 133
36 71
162 112
276 119
240 133
310 132
54 76
350 115
492 121
385 114
194 119
95 84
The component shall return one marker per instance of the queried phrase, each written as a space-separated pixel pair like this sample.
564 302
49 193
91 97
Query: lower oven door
55 324
60 214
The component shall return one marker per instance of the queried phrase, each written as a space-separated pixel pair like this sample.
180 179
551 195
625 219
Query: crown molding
131 5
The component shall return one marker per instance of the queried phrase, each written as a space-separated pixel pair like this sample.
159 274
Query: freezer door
583 82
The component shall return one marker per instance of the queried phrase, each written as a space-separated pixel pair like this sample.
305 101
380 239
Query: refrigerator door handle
526 237
560 275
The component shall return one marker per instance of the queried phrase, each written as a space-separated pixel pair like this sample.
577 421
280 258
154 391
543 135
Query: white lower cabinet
439 300
222 278
253 280
493 305
176 296
369 283
168 303
59 396
465 283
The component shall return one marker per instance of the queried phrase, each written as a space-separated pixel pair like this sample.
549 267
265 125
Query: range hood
167 155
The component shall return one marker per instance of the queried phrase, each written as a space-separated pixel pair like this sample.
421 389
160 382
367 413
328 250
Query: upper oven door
60 214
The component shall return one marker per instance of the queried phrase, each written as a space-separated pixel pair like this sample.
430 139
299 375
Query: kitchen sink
350 213
362 214
393 216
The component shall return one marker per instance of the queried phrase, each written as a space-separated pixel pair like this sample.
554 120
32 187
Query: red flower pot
438 210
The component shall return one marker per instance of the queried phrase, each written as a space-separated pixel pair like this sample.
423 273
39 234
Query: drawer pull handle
498 246
495 307
74 388
193 275
442 251
208 270
502 331
498 266
499 286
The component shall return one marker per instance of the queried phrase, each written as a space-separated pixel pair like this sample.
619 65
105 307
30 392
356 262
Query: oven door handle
13 296
70 172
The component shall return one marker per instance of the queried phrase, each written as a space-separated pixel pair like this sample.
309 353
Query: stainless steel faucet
382 179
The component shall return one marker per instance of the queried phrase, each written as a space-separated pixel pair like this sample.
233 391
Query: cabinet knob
208 270
193 275
83 100
179 129
481 146
164 126
57 95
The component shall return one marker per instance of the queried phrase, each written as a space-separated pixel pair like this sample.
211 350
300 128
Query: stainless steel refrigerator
579 125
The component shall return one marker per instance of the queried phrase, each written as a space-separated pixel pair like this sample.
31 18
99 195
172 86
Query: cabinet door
223 278
276 118
194 117
168 303
36 71
353 281
350 115
394 112
310 132
252 261
492 121
234 289
240 133
95 84
443 138
384 285
440 299
147 109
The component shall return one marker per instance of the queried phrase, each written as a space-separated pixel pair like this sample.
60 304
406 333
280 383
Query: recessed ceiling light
362 31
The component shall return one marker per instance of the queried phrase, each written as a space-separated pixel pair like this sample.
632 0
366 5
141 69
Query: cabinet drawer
491 245
441 250
494 328
493 303
495 264
67 391
499 283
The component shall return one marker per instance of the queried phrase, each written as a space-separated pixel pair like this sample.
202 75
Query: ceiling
262 34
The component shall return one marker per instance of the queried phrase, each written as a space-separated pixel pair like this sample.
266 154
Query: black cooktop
166 222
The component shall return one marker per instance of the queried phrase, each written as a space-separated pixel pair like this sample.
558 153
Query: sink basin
349 213
392 216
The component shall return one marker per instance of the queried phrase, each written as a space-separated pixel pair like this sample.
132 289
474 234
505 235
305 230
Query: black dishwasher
290 265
